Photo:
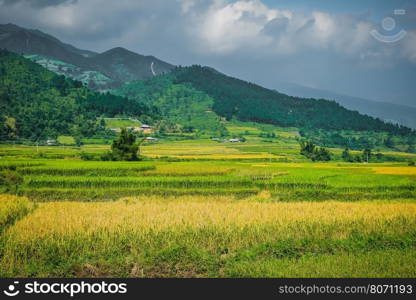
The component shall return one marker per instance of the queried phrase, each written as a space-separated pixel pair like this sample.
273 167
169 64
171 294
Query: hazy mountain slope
85 53
92 79
401 114
24 41
98 71
123 65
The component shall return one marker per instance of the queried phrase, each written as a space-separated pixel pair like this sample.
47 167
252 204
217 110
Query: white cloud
209 27
226 28
409 46
247 39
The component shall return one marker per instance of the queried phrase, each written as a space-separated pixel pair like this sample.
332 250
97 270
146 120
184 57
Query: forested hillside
200 98
251 102
37 104
182 107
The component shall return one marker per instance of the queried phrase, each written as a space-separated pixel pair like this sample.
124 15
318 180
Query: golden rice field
199 237
237 216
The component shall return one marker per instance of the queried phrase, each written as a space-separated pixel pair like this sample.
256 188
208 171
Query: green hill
37 104
202 99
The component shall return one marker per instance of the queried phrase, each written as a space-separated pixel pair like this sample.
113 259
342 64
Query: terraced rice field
206 218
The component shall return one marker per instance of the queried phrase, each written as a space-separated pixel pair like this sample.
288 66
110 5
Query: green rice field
198 208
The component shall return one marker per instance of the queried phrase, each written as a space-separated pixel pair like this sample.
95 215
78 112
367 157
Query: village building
234 140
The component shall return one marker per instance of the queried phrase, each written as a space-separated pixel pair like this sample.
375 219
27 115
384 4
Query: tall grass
182 237
12 208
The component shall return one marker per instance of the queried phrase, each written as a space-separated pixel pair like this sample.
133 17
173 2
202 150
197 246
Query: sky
359 48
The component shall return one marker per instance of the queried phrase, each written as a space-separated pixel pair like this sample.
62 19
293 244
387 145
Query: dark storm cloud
38 3
314 48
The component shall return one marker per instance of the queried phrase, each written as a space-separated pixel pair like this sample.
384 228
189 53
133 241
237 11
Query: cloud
216 27
250 26
247 39
37 3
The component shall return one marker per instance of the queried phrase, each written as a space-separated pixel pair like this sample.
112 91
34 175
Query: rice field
204 216
193 237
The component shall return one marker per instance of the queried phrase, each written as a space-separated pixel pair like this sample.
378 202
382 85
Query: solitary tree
309 150
346 155
125 147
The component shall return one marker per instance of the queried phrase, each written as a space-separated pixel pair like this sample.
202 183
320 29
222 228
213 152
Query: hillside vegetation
201 100
37 104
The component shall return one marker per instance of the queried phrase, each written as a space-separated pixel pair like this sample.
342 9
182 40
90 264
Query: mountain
27 41
123 65
98 71
200 98
36 104
111 69
389 112
250 102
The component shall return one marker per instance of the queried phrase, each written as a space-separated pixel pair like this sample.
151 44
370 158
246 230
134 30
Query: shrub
10 179
86 156
309 150
125 147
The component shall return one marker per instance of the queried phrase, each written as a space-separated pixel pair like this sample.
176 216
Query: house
146 129
51 143
151 139
234 140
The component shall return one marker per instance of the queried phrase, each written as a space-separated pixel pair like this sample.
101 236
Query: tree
379 156
346 155
367 155
10 127
412 144
389 142
309 150
125 147
358 158
322 154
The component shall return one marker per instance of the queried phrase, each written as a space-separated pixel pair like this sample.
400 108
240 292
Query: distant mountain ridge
389 112
119 65
125 65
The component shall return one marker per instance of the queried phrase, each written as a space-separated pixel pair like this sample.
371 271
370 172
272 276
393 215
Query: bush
125 147
10 179
411 163
86 156
309 150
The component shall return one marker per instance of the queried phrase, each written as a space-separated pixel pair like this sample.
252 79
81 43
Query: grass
120 123
66 140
